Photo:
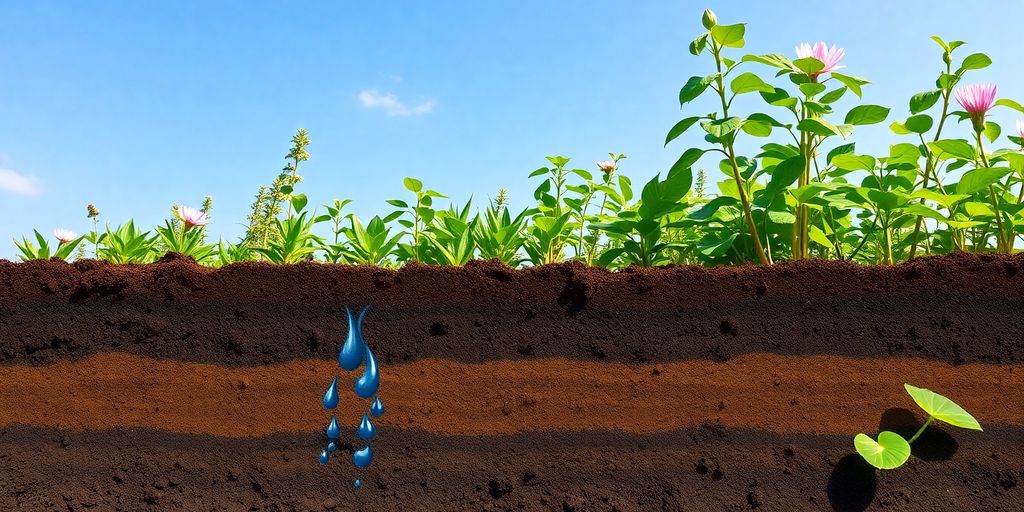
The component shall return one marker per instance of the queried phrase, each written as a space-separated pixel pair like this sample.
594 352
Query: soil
172 386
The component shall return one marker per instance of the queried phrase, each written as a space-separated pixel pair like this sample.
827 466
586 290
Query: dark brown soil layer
699 469
785 394
956 309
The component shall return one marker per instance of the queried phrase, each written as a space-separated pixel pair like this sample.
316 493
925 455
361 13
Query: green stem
1001 245
921 430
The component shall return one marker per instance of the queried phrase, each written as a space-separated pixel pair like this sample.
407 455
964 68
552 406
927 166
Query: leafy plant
335 251
370 245
295 240
128 244
416 218
891 450
30 251
499 235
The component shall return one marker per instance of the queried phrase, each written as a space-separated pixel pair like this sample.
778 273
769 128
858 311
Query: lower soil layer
705 468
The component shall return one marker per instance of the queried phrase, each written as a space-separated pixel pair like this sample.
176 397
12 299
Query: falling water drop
362 458
333 430
359 484
324 457
366 429
331 447
331 395
367 383
351 355
377 408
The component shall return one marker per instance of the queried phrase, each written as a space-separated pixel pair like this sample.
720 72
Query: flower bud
709 19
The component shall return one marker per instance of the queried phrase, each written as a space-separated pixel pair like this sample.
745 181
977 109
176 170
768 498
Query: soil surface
957 309
172 386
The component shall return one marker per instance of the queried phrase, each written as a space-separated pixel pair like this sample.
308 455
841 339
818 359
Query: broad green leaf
889 452
749 82
924 100
688 158
920 123
812 89
680 128
867 114
834 95
851 162
772 59
785 174
722 127
809 65
854 83
821 127
992 131
729 35
975 61
952 148
1010 104
697 45
942 408
694 87
973 181
415 185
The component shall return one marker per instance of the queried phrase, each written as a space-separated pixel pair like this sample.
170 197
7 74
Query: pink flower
607 166
64 235
1020 130
830 57
976 99
191 217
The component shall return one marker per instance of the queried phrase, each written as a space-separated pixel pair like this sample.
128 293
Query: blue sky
134 106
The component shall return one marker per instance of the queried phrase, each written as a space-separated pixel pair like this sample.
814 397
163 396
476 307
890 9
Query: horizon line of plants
805 193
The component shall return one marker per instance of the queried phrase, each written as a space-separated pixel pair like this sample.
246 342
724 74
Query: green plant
372 245
261 222
499 235
65 246
417 220
228 253
335 250
891 450
128 244
295 240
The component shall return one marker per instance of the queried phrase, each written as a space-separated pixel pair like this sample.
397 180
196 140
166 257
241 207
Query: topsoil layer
956 309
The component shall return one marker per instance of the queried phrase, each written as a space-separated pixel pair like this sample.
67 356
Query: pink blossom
191 217
830 57
607 166
976 99
64 235
1020 130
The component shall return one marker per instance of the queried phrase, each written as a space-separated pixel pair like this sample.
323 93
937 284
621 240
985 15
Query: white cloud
389 103
12 181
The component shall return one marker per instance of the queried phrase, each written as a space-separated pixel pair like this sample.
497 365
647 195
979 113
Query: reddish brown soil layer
808 394
957 309
699 469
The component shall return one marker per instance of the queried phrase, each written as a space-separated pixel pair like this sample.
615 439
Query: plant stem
930 164
1001 245
921 430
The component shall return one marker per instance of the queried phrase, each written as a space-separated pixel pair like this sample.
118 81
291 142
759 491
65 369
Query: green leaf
819 127
992 131
952 148
774 60
889 452
697 45
942 408
729 35
722 127
785 174
415 185
973 181
299 202
975 61
854 83
809 65
749 82
924 100
688 158
694 87
680 128
1010 104
833 96
920 123
851 162
812 89
867 114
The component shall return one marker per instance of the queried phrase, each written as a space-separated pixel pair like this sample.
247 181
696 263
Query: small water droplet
377 408
359 484
331 395
333 430
331 447
352 352
324 457
366 429
367 383
362 458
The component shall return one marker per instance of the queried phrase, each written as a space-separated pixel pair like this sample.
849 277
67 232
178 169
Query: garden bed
562 387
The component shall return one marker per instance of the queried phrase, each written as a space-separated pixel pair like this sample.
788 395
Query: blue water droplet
359 484
351 355
377 408
331 395
362 458
367 383
324 457
333 430
331 447
366 429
